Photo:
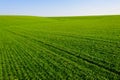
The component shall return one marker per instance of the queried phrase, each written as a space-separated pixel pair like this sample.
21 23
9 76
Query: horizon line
60 15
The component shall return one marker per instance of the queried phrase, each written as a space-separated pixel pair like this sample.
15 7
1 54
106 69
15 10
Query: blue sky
59 7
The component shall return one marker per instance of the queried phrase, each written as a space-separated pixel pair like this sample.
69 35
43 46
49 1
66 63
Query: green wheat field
60 48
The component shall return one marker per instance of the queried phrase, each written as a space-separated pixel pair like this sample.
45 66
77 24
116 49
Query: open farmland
55 48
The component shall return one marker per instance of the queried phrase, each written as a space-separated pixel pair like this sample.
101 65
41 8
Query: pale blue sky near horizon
59 7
